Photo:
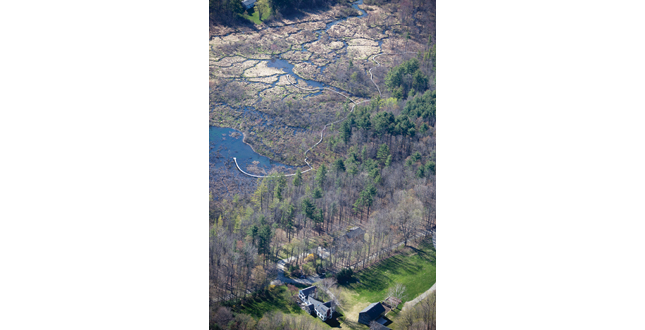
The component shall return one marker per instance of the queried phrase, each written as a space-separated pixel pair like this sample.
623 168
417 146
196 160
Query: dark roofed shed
371 313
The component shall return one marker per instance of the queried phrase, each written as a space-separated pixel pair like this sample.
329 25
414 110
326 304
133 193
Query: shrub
295 273
307 269
344 275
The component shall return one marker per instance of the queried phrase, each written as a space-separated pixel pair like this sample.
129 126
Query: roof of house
307 291
373 310
378 326
319 305
310 308
248 3
354 232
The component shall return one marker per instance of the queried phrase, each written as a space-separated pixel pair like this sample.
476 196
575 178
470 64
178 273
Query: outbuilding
371 313
247 4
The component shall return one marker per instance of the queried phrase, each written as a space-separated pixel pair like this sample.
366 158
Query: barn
371 313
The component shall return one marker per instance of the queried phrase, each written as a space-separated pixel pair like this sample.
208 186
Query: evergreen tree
308 208
253 233
383 153
388 162
321 175
264 239
430 167
297 179
288 219
317 193
339 165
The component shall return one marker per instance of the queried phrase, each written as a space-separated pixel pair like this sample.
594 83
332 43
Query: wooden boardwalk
292 84
264 176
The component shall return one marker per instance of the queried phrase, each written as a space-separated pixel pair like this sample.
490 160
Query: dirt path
280 265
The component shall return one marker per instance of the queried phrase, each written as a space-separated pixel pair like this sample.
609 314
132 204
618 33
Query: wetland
250 92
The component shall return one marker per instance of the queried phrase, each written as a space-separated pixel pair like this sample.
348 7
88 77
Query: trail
320 89
379 64
322 132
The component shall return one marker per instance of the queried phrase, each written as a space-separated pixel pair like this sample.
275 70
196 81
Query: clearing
415 268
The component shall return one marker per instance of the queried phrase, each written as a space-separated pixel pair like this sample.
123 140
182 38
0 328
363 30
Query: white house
324 311
305 293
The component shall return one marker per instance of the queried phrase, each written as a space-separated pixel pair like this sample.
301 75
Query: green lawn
416 269
276 299
255 18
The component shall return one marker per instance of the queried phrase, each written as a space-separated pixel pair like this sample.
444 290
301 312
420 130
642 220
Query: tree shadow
304 12
348 283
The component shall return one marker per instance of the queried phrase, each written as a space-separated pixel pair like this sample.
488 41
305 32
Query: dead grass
262 70
235 57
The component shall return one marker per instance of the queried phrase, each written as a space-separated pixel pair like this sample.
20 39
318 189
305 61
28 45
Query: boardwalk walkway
264 176
324 127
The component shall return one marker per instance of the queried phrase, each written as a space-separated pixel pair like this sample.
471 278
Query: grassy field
275 299
416 269
255 18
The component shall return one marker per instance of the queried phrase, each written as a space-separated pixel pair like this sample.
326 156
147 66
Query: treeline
224 11
227 11
223 318
423 316
288 6
416 16
413 76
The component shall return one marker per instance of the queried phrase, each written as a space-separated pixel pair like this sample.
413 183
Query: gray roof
248 3
310 308
354 232
373 310
319 306
307 291
379 326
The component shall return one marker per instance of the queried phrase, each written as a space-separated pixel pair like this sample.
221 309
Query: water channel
226 143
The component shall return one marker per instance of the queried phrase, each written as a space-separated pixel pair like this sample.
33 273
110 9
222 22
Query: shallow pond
226 143
355 6
288 67
225 180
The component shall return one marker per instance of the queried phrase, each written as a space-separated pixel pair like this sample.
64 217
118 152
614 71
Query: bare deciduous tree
327 283
337 296
408 214
397 291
